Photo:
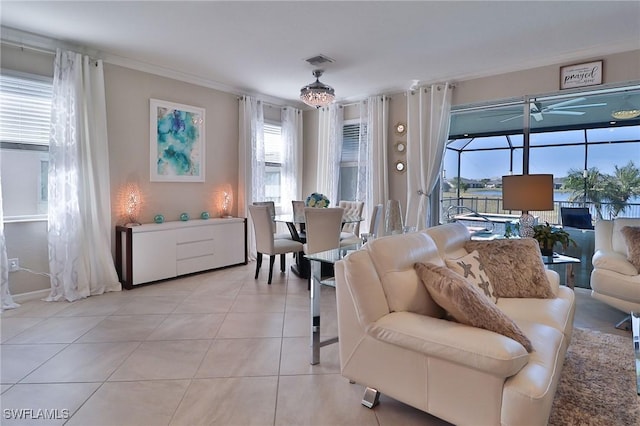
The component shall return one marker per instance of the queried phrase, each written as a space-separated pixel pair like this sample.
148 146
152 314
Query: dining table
301 267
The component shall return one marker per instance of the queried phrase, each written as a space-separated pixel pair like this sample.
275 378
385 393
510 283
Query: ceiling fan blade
511 118
582 106
565 112
565 103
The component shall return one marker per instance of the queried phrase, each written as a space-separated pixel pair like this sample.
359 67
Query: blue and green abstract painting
178 143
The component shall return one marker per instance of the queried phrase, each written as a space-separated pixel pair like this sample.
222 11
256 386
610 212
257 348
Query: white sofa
614 280
393 340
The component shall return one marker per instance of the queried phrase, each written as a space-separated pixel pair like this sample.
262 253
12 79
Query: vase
393 218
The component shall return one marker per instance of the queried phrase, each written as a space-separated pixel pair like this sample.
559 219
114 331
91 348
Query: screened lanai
574 137
593 156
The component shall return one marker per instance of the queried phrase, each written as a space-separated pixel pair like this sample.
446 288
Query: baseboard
32 295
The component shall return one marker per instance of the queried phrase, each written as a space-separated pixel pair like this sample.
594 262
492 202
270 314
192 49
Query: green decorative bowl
158 218
184 217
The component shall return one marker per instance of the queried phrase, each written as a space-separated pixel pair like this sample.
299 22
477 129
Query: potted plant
548 236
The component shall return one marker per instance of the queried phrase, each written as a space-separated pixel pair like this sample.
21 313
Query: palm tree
599 188
589 189
624 184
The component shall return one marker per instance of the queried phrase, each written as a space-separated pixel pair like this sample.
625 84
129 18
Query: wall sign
580 75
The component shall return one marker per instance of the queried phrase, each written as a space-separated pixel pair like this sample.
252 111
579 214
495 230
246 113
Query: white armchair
614 280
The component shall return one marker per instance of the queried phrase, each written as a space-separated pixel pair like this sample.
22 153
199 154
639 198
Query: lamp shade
527 192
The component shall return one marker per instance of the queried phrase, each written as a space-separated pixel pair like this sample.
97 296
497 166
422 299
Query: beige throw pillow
632 238
472 270
466 303
514 267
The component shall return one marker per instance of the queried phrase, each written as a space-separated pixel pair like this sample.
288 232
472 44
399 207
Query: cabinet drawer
195 249
197 233
196 264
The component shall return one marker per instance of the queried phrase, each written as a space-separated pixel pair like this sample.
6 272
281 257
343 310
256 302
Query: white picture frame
581 75
176 142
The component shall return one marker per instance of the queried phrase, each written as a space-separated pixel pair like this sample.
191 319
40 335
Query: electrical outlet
14 265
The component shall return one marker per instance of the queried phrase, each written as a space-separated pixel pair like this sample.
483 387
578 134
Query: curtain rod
23 46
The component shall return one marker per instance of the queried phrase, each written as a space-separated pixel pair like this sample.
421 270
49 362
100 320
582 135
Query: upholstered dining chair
350 233
263 226
272 212
376 217
323 227
298 217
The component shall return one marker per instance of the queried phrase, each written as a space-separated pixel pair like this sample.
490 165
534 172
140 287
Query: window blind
350 142
273 143
25 109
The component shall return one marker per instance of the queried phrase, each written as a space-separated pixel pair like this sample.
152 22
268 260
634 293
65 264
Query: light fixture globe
626 111
317 94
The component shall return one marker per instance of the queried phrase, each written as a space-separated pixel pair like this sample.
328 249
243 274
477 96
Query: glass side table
317 260
561 259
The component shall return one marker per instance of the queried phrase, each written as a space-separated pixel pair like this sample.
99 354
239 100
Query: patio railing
488 206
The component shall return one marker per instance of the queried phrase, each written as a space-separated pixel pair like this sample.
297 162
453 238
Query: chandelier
317 94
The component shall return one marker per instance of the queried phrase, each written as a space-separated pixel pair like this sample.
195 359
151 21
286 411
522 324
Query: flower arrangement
548 236
317 200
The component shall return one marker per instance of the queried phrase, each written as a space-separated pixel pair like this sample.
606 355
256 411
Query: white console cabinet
158 251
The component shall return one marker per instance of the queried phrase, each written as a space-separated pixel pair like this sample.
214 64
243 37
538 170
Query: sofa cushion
632 238
466 303
514 267
472 270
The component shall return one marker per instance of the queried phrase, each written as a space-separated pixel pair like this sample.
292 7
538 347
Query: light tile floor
218 348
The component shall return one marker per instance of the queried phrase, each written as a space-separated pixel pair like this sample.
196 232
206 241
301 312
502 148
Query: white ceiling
378 47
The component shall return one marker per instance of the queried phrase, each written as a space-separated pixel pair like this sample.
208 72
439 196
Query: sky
556 160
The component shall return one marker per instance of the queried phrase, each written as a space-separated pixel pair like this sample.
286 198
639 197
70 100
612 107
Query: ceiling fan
537 111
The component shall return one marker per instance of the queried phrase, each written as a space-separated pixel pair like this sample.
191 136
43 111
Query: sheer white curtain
7 300
251 167
329 151
79 229
377 129
428 112
292 158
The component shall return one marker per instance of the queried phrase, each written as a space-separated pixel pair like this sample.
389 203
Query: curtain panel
428 111
5 293
291 182
377 142
79 226
330 125
251 167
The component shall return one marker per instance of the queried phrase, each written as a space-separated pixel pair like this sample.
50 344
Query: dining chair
298 217
263 226
272 212
351 230
376 217
323 228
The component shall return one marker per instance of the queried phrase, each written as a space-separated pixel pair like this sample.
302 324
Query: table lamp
527 193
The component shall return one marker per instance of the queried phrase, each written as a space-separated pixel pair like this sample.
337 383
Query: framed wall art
580 75
177 142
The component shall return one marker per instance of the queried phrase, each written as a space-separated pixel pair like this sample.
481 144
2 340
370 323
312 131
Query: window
351 164
25 102
273 157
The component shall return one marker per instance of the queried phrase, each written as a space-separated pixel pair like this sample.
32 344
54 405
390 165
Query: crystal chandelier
317 94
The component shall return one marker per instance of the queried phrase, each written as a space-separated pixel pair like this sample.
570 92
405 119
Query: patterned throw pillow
472 269
632 238
466 303
514 266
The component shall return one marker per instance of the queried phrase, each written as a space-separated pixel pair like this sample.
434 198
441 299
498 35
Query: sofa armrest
469 346
613 261
554 280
